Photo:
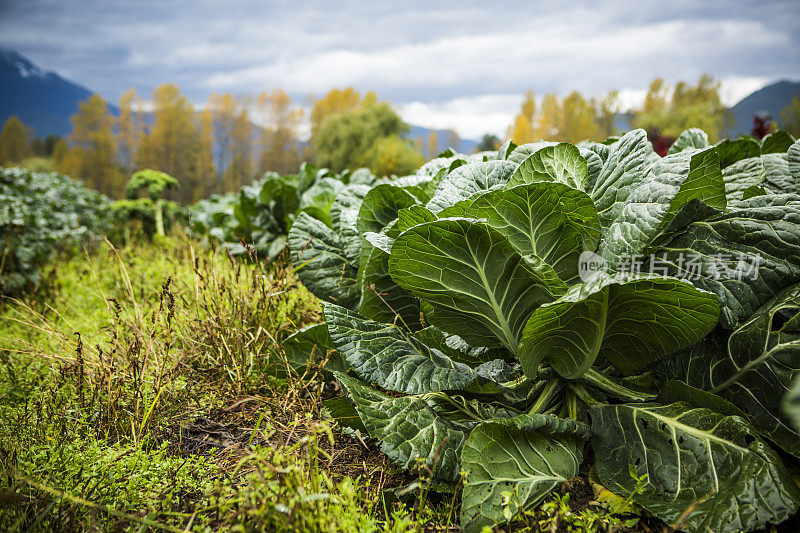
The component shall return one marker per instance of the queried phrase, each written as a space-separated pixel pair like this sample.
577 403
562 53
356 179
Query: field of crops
549 337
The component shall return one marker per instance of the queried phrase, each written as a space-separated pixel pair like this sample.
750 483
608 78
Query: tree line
218 148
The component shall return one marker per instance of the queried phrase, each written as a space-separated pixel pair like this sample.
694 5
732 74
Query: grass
147 388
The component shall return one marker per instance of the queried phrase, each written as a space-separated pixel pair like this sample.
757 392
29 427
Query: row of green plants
43 214
501 319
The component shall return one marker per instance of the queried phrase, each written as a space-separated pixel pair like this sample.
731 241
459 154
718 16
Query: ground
146 387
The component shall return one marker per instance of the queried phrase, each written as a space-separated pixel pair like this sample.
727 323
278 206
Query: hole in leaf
638 461
680 440
644 423
749 439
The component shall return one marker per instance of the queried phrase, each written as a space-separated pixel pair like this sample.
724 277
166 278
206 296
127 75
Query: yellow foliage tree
687 107
93 156
171 145
279 138
15 145
206 169
521 130
129 128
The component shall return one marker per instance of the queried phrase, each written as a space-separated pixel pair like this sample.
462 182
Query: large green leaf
550 220
313 345
393 358
319 198
672 183
777 177
381 298
381 205
622 172
408 428
526 456
321 261
732 150
469 270
562 163
793 159
705 471
524 151
629 321
753 368
344 219
468 181
744 256
691 138
777 142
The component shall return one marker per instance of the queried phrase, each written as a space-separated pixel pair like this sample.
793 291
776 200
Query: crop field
547 337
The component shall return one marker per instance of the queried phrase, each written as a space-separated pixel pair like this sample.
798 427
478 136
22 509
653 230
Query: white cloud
735 88
471 117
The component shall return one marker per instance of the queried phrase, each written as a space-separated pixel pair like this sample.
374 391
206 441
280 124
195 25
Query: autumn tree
129 128
206 169
790 117
521 130
14 142
577 120
279 138
338 101
433 144
605 108
240 168
93 155
685 106
171 144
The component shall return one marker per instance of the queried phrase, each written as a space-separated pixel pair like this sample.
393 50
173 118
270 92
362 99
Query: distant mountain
42 100
769 100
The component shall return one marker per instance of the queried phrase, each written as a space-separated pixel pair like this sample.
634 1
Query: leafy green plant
41 214
154 207
259 217
477 339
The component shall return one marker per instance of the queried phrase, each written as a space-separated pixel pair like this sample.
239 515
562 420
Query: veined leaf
629 321
744 256
691 138
673 182
527 456
469 270
321 261
469 180
777 142
393 358
407 428
313 344
621 173
712 467
550 220
732 150
793 159
562 163
753 368
524 151
380 207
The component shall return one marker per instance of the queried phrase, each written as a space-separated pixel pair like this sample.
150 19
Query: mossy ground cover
146 388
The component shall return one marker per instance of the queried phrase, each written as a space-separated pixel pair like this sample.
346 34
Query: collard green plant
501 314
259 218
41 214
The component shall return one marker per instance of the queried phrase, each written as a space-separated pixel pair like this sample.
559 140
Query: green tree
344 139
392 155
790 117
14 143
488 142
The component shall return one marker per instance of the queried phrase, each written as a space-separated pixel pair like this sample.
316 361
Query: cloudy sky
444 64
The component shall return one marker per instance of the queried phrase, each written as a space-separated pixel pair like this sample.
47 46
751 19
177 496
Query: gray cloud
441 54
